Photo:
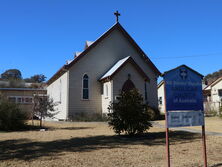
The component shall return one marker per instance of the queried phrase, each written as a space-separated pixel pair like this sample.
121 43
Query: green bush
11 117
129 114
220 112
154 113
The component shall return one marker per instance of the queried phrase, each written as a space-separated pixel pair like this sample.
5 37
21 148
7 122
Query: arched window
128 85
107 91
85 88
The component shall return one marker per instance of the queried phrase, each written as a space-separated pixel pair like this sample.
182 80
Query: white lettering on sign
185 118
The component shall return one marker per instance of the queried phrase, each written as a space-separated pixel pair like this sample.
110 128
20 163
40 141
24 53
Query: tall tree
213 76
12 74
38 78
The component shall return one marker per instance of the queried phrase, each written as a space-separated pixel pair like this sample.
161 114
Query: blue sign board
183 90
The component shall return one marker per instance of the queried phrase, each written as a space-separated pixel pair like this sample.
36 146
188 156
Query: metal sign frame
167 128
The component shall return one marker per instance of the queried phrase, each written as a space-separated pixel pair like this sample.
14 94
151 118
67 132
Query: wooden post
167 147
204 146
167 130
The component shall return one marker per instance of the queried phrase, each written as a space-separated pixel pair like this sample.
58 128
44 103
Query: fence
212 108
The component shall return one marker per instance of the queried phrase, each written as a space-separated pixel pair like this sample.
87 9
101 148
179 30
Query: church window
107 90
160 100
220 92
85 91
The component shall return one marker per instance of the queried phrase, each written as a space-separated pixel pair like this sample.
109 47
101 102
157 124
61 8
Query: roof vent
77 54
88 43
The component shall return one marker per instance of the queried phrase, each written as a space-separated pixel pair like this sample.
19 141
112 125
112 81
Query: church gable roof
94 44
119 65
114 68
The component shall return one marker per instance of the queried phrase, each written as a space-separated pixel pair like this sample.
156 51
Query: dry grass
213 124
94 144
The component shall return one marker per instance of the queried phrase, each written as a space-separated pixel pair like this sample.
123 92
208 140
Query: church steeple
117 16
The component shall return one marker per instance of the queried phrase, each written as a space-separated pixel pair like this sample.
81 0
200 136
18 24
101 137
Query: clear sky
38 36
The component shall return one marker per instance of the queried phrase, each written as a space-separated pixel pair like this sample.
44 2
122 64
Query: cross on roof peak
117 15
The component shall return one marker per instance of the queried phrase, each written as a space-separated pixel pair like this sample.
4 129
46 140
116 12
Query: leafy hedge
220 112
12 117
87 117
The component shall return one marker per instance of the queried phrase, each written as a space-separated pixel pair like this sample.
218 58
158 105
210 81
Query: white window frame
23 97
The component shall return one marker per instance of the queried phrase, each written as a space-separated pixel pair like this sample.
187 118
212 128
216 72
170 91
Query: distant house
97 75
22 96
213 96
161 97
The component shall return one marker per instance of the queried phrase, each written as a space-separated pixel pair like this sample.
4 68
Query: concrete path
156 124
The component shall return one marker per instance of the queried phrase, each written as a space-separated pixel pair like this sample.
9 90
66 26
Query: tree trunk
32 119
41 121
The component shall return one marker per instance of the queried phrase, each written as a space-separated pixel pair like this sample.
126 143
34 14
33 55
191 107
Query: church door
128 85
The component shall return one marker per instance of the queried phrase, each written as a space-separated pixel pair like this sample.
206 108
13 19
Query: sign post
167 133
204 146
183 103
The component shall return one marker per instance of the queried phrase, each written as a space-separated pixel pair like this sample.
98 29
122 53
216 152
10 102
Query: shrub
154 113
220 111
129 115
87 117
12 117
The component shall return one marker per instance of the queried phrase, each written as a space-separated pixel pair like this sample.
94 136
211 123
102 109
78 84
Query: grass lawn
95 144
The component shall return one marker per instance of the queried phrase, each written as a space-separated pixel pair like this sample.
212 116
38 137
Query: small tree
129 114
44 107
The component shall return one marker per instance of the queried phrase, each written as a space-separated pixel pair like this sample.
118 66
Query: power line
180 57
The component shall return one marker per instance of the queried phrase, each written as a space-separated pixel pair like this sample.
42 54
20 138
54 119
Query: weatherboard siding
121 77
58 92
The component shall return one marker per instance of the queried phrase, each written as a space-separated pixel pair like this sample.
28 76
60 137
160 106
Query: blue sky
38 36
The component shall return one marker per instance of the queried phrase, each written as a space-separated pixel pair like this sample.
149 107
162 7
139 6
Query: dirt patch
95 144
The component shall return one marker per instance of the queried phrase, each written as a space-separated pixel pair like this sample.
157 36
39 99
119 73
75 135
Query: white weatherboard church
97 75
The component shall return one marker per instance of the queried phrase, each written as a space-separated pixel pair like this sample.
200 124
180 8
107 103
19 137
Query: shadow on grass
25 149
217 165
75 128
22 129
46 128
